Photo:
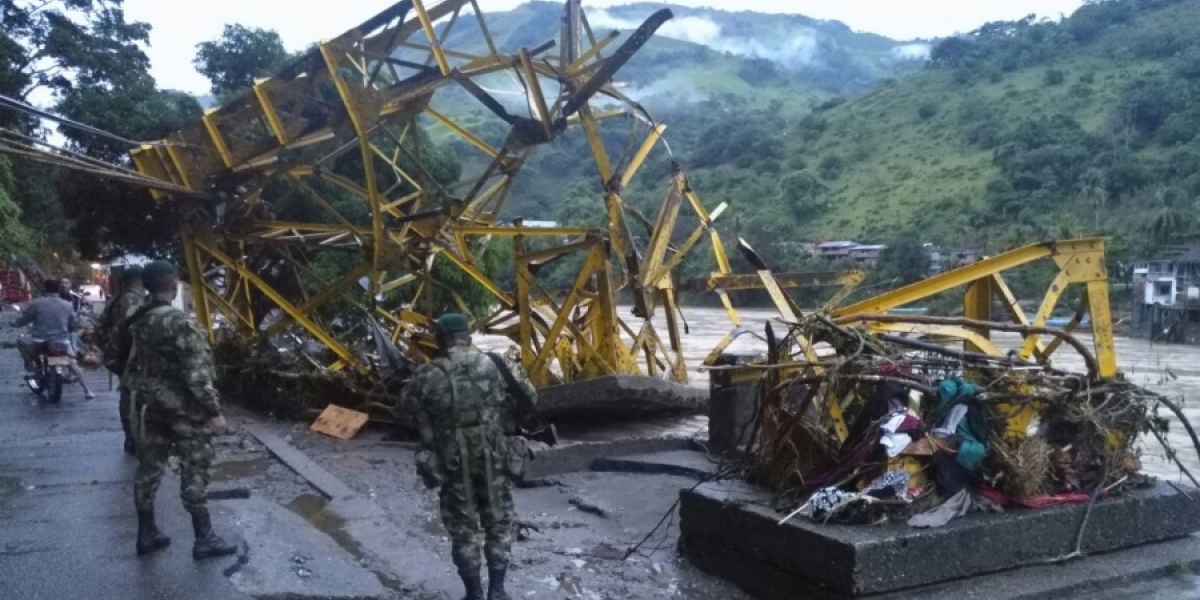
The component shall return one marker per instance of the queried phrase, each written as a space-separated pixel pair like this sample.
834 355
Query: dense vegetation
1021 131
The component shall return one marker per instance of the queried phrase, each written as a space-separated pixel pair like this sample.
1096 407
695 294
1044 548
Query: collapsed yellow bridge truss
346 120
361 99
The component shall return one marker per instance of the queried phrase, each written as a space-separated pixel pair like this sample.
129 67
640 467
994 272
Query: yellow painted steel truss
1079 262
346 121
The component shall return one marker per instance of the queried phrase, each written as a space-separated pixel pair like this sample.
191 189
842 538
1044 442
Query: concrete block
733 403
619 397
685 463
726 529
580 456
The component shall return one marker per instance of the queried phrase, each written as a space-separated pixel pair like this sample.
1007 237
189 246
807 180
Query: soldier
109 326
462 412
170 378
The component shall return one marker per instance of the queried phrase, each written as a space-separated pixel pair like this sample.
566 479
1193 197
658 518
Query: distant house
867 254
832 251
1167 294
1168 281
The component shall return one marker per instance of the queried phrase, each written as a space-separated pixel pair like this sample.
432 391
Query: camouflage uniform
463 413
170 378
110 324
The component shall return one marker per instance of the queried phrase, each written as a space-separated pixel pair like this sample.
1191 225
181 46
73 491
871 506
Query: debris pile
289 382
859 426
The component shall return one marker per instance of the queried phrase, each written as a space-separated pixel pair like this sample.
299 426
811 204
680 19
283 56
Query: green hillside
1015 132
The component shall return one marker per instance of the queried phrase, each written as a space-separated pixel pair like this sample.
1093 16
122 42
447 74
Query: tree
1092 192
803 191
903 261
241 55
112 218
15 237
72 48
1171 216
62 46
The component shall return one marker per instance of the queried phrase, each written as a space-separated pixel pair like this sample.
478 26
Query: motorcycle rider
53 320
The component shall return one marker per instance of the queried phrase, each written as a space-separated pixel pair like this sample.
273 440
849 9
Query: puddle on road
240 469
9 486
311 507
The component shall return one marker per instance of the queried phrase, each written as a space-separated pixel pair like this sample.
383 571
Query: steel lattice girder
361 97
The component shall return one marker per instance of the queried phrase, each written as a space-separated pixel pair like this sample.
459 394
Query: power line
23 146
29 109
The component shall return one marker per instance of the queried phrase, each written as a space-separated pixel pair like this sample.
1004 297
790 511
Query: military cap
131 274
453 324
158 270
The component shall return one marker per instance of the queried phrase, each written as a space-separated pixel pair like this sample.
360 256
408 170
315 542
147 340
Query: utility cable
29 109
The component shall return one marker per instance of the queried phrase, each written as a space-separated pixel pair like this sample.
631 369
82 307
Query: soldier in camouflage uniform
170 376
463 412
109 327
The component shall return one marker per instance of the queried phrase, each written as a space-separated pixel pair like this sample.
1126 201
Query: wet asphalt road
67 521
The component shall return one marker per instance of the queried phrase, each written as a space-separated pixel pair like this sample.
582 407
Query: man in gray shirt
53 319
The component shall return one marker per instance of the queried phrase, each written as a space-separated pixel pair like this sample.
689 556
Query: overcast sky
179 26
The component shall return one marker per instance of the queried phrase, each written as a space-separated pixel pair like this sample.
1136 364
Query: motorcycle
52 362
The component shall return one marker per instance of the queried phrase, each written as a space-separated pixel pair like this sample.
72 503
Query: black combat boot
474 584
208 543
496 584
149 538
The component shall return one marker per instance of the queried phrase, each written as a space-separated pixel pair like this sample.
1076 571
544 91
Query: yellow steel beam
498 230
1102 330
330 292
431 35
290 309
687 245
535 91
214 134
955 278
664 228
635 163
973 338
461 132
268 109
196 277
1057 287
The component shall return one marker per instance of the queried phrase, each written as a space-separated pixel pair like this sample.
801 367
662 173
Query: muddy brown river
1172 370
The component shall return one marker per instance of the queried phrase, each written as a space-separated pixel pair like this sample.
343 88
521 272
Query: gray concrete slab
571 457
330 486
728 531
686 463
359 525
288 558
619 397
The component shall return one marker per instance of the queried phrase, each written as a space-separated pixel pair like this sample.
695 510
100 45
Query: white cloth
950 425
895 443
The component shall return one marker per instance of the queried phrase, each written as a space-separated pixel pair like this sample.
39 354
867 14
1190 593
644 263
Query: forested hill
1018 131
703 52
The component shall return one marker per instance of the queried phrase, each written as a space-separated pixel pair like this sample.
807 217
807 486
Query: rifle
544 431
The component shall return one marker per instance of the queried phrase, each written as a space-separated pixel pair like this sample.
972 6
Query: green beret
453 324
159 270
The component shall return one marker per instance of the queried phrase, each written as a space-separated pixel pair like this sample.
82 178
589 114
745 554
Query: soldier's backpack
107 336
124 341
